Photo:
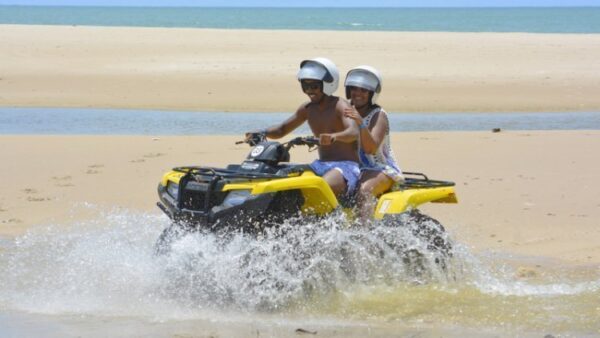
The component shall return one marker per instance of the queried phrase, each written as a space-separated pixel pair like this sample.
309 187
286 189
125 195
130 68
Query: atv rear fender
400 201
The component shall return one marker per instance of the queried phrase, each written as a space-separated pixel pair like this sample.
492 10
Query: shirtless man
338 159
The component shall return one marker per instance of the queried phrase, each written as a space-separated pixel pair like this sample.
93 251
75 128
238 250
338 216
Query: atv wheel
169 235
425 229
432 231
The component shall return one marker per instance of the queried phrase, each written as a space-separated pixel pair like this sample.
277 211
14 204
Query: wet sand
525 193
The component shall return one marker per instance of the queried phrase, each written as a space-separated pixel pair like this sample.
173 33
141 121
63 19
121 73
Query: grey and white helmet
365 77
321 69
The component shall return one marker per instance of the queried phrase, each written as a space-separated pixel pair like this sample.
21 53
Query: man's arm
350 132
287 126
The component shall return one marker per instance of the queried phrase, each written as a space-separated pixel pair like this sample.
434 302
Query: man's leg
336 181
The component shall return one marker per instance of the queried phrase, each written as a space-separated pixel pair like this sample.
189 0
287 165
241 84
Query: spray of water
297 263
108 266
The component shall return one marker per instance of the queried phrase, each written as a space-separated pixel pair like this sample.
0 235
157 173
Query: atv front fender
318 197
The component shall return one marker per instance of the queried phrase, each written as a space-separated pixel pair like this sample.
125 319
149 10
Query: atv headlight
173 189
236 197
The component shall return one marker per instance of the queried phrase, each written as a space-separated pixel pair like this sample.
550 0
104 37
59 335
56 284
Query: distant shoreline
577 20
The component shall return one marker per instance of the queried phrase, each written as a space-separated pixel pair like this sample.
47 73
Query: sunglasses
311 85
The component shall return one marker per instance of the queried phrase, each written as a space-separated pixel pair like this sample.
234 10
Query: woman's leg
372 184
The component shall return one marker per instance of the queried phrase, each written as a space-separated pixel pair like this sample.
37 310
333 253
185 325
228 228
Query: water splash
106 266
97 266
297 263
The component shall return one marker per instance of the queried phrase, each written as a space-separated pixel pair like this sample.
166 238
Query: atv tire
432 231
169 235
427 230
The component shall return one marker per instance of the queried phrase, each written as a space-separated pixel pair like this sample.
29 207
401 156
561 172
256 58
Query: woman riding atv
378 167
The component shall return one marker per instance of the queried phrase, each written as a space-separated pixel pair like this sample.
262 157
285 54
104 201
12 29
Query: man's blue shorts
348 169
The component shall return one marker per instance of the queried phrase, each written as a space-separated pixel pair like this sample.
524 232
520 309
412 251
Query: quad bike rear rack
423 182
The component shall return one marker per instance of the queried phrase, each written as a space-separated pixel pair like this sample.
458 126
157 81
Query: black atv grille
194 196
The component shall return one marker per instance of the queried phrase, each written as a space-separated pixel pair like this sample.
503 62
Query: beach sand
254 70
529 195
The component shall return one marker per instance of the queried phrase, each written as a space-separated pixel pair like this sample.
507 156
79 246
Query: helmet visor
362 79
312 71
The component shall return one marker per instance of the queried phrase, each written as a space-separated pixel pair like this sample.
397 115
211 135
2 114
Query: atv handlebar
309 141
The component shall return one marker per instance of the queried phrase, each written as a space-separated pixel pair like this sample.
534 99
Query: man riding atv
266 189
338 154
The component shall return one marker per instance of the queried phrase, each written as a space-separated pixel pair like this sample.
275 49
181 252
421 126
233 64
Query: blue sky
317 3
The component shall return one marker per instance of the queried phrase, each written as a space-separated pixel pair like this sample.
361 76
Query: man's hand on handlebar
308 141
254 137
326 139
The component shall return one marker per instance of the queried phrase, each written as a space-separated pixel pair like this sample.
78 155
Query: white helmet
365 77
321 69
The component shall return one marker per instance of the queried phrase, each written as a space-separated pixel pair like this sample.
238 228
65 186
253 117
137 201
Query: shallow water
102 272
72 121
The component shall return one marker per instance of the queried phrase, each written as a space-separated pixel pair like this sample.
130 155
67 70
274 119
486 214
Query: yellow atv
266 189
